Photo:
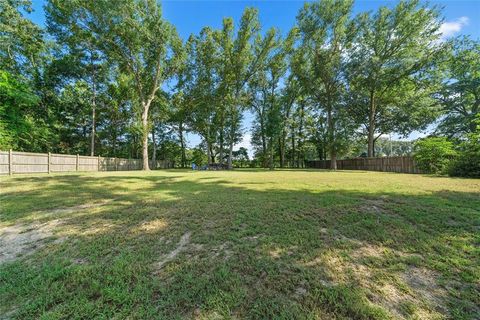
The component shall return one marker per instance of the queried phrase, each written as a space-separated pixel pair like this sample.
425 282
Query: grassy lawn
243 244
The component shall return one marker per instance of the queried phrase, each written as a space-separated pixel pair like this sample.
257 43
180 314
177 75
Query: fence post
49 157
98 163
10 162
76 164
115 163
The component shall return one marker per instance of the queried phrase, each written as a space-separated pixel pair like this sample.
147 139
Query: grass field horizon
248 243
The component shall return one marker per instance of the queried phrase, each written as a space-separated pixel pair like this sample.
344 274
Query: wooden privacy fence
13 162
405 164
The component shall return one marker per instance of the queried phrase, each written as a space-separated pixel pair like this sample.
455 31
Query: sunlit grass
242 244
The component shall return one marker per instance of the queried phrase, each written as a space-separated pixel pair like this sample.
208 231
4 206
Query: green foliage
326 31
434 154
467 163
21 41
222 63
271 105
19 129
390 70
99 70
460 93
133 37
198 156
240 157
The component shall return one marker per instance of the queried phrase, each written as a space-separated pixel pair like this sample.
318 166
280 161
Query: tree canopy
114 78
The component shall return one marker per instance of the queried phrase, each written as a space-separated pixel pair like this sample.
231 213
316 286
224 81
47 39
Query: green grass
244 244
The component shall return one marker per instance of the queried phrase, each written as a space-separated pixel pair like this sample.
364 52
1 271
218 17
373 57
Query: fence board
4 163
403 164
29 162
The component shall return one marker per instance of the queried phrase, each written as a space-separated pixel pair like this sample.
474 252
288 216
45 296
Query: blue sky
460 17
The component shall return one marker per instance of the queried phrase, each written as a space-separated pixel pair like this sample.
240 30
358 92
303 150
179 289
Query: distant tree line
113 78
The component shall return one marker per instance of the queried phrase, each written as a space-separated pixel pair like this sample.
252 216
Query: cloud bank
449 28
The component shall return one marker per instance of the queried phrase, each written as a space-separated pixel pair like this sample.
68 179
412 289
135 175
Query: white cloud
449 28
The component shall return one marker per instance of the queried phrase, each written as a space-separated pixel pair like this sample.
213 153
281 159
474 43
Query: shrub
198 156
467 164
434 154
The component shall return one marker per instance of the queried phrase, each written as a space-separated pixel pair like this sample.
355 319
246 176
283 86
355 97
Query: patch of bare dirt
374 206
79 261
195 251
94 227
77 208
422 291
184 240
391 298
198 250
416 286
151 226
424 283
323 230
23 239
223 249
10 314
369 251
254 238
300 291
277 253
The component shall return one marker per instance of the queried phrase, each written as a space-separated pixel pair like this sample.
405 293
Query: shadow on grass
269 253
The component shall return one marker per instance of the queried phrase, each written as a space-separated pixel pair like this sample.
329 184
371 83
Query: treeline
113 78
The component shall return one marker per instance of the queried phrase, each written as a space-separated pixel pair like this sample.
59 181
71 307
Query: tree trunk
230 154
281 144
374 142
221 147
209 154
371 126
146 106
182 144
300 137
212 154
331 135
154 154
264 143
94 98
293 146
333 159
232 137
271 153
114 145
209 147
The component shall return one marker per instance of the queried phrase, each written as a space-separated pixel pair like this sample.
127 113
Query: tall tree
134 36
289 96
78 47
395 48
272 110
117 113
460 92
179 119
327 31
201 86
242 57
